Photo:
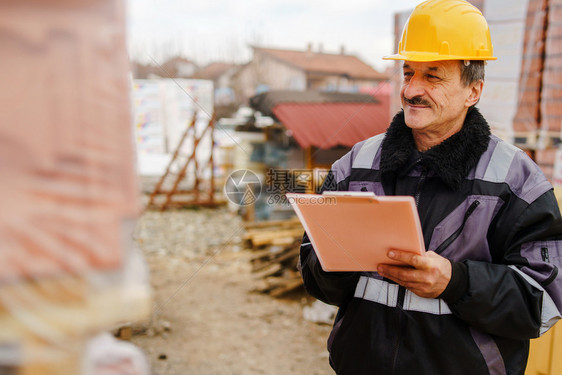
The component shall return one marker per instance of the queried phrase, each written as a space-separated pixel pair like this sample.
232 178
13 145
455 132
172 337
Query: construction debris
275 246
107 355
320 312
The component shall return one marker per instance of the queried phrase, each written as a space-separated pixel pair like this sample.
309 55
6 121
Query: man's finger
411 259
401 274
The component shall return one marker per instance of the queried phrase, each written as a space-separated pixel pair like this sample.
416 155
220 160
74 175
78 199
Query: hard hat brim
426 57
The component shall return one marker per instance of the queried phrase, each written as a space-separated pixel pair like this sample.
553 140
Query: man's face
433 97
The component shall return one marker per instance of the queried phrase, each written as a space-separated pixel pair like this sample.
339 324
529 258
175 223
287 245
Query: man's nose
414 87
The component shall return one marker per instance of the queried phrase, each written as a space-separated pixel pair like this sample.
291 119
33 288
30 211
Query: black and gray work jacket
485 206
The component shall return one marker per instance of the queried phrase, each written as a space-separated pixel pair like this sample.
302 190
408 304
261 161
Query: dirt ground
206 319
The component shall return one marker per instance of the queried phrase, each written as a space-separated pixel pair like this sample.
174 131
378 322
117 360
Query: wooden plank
294 253
258 254
266 238
259 231
289 286
271 270
287 254
273 223
285 241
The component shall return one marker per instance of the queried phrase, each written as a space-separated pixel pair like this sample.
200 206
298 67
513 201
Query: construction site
145 227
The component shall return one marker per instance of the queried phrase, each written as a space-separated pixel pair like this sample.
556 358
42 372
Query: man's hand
427 277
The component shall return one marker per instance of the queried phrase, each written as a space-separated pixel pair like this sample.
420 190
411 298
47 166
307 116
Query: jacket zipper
401 289
396 346
420 184
546 258
544 254
458 232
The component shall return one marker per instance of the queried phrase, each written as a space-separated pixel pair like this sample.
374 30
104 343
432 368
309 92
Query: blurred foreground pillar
68 192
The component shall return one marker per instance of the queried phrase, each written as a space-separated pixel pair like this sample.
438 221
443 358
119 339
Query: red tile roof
265 102
325 125
316 62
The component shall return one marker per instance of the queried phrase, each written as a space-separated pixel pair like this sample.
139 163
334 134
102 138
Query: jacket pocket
544 258
445 244
463 232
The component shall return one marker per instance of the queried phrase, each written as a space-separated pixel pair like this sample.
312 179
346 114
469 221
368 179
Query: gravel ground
206 319
189 233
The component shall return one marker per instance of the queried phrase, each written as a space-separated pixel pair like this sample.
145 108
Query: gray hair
472 71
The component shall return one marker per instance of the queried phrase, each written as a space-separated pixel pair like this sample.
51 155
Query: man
489 281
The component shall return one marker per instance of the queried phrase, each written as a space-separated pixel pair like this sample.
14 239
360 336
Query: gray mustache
417 100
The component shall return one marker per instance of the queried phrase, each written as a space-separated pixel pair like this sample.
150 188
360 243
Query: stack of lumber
275 246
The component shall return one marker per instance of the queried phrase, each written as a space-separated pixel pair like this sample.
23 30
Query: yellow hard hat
445 30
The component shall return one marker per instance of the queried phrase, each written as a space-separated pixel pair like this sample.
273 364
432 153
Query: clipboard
353 231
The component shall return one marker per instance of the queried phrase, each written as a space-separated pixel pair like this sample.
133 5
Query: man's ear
475 92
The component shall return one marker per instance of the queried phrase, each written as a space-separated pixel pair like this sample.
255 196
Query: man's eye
408 74
432 77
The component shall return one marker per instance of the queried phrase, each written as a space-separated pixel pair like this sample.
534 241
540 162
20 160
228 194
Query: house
221 74
175 67
281 69
178 67
218 72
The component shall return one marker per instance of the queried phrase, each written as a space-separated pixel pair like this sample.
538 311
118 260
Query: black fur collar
451 160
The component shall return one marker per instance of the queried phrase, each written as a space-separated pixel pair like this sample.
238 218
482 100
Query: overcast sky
211 30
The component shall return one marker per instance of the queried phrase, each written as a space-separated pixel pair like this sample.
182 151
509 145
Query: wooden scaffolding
189 177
